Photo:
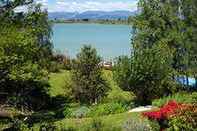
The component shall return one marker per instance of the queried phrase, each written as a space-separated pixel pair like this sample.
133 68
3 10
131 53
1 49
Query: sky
88 5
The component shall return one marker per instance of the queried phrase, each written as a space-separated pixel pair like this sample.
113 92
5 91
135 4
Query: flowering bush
164 112
184 119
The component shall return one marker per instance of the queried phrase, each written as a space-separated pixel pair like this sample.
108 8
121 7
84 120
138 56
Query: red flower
164 112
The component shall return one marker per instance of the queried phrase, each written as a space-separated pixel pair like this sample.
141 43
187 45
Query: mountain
62 15
91 15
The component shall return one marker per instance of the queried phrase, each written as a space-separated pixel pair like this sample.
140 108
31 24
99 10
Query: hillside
91 15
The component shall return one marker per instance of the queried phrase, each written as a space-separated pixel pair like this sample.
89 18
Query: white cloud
62 5
43 2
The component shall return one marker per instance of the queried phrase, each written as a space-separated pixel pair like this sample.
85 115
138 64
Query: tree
122 71
88 83
163 47
161 21
189 14
23 77
147 74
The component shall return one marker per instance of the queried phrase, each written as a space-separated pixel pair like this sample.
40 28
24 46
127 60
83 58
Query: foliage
81 112
181 97
136 125
184 119
60 61
154 125
123 97
96 124
147 74
122 70
171 23
25 50
160 23
111 122
107 109
175 116
88 84
47 127
164 112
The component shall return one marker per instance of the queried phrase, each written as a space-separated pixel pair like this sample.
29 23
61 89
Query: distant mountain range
91 15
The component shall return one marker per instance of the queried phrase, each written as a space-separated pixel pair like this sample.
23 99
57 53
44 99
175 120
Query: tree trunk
187 81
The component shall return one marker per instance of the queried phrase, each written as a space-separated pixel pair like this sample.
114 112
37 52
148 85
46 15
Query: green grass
109 121
60 83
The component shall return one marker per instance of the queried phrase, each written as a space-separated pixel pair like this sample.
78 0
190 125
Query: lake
109 40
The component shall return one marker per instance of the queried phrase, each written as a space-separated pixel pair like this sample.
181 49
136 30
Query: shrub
154 125
88 86
148 73
16 125
184 119
164 112
97 124
179 97
136 125
47 127
40 116
175 116
55 66
123 97
67 112
106 109
80 112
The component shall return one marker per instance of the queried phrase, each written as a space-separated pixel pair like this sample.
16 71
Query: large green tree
25 46
88 83
160 21
164 47
148 73
189 14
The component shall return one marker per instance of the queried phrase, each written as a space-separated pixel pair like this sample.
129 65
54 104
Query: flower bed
166 112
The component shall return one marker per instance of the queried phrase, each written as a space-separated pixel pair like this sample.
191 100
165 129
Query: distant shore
87 21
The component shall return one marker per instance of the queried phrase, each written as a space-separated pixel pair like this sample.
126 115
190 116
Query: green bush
75 112
80 112
47 127
136 125
40 116
182 97
106 109
154 125
97 124
119 96
55 66
184 120
67 112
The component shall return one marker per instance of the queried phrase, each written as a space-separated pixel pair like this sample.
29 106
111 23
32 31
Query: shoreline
92 22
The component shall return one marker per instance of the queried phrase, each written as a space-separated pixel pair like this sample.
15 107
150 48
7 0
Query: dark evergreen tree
88 83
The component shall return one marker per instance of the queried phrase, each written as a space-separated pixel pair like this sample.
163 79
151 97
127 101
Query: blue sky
86 5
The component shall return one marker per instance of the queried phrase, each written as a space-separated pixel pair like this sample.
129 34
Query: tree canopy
25 49
88 83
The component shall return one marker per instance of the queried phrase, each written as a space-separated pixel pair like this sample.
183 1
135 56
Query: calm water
110 40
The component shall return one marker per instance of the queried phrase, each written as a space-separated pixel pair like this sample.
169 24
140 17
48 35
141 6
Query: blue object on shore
183 80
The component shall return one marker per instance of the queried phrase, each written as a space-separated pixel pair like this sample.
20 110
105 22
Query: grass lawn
59 83
109 122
